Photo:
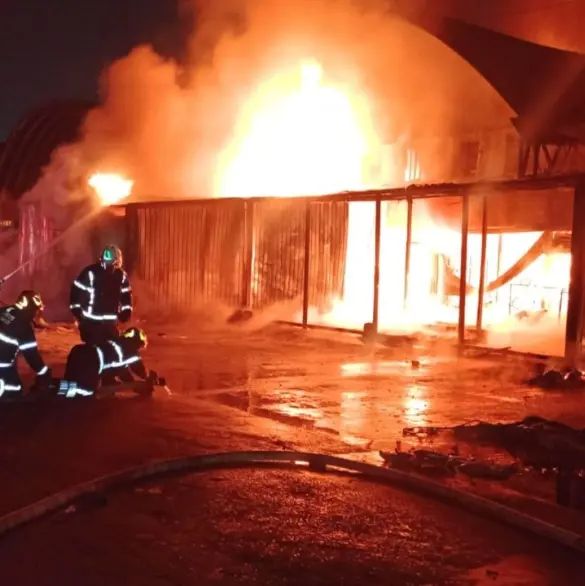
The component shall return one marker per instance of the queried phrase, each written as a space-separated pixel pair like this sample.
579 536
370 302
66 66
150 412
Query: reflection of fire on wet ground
361 402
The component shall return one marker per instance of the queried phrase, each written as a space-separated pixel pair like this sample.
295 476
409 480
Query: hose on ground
315 462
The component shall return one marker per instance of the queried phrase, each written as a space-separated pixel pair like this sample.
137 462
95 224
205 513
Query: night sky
57 48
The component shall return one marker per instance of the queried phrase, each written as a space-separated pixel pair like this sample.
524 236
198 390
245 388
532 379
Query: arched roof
30 145
543 85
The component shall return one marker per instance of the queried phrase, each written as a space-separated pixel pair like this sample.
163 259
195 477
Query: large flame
110 187
298 135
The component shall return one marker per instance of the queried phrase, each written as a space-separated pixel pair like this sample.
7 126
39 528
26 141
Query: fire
110 187
298 135
301 135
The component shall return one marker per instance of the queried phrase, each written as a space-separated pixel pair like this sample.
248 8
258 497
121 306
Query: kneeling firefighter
17 335
87 365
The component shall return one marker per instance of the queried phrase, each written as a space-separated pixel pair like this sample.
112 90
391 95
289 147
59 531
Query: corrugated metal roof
30 145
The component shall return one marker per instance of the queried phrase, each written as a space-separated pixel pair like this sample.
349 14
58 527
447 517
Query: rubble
537 442
547 447
433 463
240 315
554 379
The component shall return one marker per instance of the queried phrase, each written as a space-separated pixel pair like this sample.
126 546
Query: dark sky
57 48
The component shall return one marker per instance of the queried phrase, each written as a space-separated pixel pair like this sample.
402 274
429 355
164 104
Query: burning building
363 107
403 270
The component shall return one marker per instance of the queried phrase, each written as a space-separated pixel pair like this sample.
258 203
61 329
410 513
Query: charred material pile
553 379
437 464
548 447
536 442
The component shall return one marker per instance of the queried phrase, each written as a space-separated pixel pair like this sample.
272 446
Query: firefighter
17 335
100 296
87 365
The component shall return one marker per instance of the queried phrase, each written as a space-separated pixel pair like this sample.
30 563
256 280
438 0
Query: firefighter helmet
137 334
112 257
30 302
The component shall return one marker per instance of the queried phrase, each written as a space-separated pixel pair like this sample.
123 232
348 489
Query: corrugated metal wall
329 221
188 254
236 251
279 252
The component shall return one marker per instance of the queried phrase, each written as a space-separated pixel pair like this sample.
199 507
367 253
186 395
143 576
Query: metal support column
574 327
407 248
248 264
307 273
377 239
482 263
463 268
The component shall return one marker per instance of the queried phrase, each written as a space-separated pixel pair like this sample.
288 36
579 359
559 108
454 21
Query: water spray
109 187
50 246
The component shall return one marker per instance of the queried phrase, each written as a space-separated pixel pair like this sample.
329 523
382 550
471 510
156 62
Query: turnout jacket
121 353
100 295
17 335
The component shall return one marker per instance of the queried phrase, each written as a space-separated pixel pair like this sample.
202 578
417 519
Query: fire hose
315 462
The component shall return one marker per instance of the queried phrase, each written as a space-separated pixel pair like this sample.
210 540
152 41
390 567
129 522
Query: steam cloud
166 125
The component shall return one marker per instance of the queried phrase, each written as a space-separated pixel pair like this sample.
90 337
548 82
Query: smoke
166 125
54 240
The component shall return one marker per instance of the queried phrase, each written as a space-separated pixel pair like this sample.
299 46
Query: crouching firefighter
17 335
88 365
100 296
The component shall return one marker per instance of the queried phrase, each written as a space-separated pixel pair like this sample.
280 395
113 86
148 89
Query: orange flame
110 187
300 135
297 135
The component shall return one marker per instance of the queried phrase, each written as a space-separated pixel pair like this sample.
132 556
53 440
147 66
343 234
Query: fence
265 251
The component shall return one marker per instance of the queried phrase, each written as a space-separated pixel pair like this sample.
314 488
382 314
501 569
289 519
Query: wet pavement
261 527
292 389
332 382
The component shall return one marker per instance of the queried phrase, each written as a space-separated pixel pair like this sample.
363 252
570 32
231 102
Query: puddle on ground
291 413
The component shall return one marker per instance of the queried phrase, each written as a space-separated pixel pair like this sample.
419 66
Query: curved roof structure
30 145
544 86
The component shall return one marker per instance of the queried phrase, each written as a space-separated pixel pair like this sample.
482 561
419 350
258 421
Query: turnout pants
10 383
97 332
83 367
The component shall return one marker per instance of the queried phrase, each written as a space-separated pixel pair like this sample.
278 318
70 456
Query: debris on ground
475 469
554 379
433 463
536 442
423 461
240 315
